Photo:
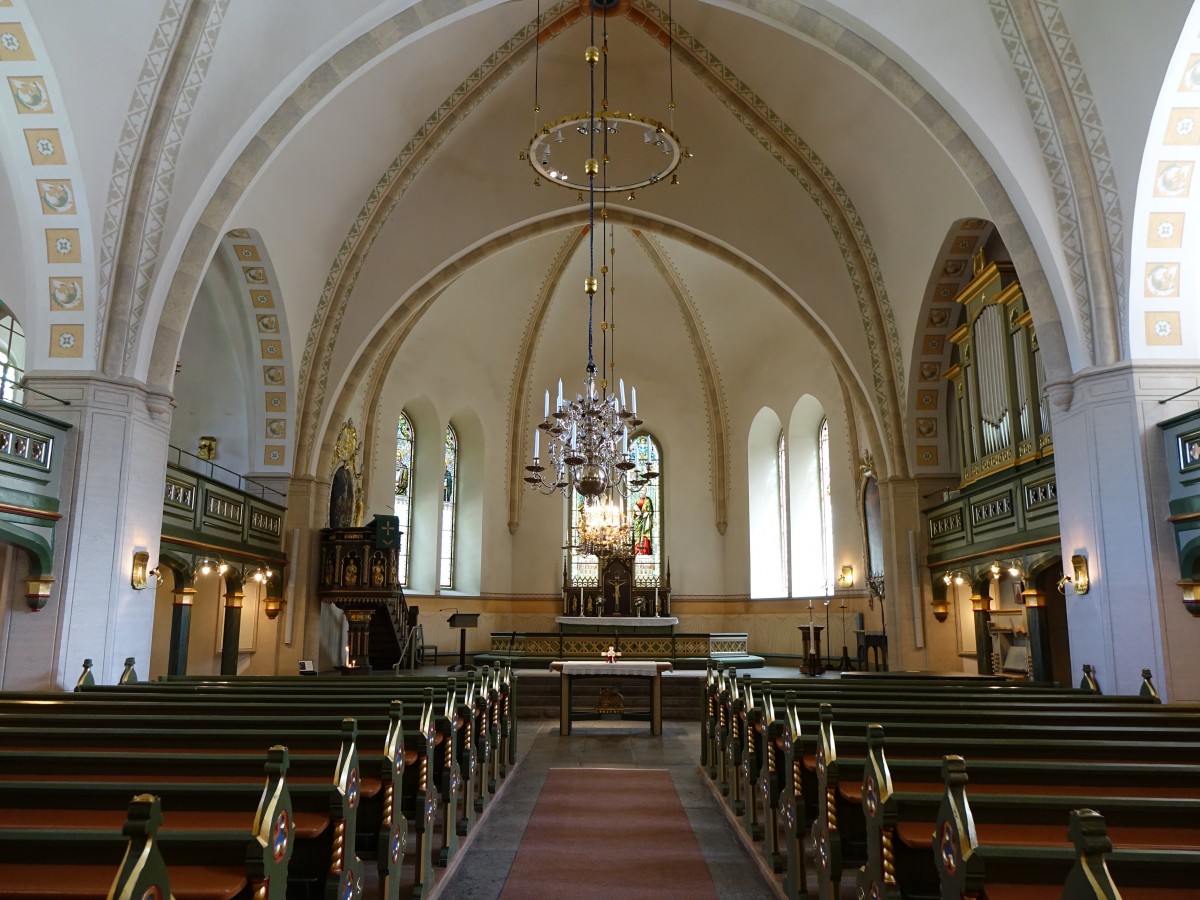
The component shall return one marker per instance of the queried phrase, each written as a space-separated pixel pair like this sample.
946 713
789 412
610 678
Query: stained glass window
643 507
405 445
826 504
449 502
643 512
12 356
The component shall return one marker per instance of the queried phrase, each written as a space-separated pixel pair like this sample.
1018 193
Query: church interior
825 337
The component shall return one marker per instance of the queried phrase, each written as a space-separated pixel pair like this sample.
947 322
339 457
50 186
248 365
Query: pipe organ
998 378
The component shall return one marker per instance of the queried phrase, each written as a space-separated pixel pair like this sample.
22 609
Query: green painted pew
191 854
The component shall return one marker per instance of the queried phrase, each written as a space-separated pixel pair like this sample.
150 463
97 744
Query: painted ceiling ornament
29 94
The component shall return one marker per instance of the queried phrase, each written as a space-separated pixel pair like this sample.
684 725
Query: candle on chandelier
560 393
622 383
546 414
537 441
625 442
634 409
574 434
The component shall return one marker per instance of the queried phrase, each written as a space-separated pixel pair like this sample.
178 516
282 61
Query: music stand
462 621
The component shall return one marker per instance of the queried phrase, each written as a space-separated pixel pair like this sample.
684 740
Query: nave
482 870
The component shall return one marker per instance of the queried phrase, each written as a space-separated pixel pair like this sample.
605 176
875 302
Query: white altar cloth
642 668
618 621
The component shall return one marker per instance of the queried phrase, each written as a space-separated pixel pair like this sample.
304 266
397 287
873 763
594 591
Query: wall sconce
846 578
955 578
207 565
1079 579
140 572
259 572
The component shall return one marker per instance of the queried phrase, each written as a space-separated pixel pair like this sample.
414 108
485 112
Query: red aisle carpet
611 833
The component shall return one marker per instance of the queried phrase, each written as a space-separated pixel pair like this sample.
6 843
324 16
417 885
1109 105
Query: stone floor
480 871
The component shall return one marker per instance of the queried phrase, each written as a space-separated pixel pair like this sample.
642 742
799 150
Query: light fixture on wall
140 573
956 578
846 578
587 438
207 565
259 572
1078 578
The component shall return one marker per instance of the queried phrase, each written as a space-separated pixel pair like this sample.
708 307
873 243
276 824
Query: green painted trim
37 546
21 412
10 496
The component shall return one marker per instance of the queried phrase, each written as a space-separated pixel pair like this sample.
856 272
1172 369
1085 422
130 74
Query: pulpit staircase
389 635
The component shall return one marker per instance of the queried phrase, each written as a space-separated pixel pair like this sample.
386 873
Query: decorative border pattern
1162 319
28 448
932 353
132 136
265 311
1092 132
710 374
1061 169
163 180
51 170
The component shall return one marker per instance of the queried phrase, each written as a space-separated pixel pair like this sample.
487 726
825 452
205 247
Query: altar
611 701
617 593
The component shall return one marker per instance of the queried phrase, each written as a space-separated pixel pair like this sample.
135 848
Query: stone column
980 604
181 623
908 612
1039 635
231 633
1113 509
111 501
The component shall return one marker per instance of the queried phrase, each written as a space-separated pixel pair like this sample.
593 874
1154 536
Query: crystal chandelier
587 437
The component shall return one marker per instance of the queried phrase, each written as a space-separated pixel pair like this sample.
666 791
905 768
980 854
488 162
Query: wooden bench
207 853
775 735
334 793
497 683
465 769
205 743
1032 867
477 714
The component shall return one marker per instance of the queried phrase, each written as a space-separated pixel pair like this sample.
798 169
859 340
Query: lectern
463 621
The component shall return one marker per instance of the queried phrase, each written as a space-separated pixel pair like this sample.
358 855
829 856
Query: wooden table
571 669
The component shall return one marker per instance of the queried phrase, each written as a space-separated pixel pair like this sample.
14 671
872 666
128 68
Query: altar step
538 695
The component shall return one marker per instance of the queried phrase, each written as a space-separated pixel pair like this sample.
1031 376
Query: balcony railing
210 470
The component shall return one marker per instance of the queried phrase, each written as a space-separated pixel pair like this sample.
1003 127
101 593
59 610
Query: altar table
571 669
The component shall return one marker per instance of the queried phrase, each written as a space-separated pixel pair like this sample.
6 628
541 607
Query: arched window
826 504
405 446
781 477
449 502
12 356
643 508
643 512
